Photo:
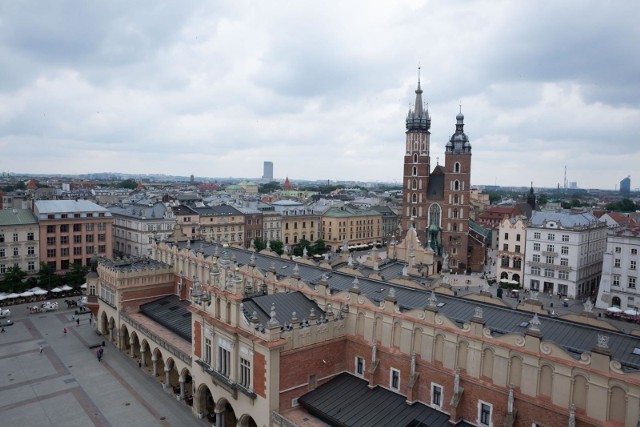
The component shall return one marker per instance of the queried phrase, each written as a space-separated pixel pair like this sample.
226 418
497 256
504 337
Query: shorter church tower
457 199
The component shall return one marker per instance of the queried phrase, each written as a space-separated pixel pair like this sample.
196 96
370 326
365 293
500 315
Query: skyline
215 89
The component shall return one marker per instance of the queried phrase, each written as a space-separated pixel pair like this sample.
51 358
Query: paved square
65 385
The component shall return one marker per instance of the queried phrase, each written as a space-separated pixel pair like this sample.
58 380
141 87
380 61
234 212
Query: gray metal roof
156 211
66 206
576 338
565 219
348 401
285 304
17 217
172 313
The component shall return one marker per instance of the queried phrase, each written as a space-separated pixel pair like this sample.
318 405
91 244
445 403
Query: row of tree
15 279
316 248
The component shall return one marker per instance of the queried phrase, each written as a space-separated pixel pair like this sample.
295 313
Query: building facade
267 173
511 253
437 202
221 223
359 227
71 231
269 335
564 253
136 226
300 224
619 284
19 241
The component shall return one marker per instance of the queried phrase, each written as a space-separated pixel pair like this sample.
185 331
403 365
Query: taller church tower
417 165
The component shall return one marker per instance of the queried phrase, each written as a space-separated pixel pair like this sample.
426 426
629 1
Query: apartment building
511 253
619 284
300 224
19 241
221 223
564 253
71 231
135 226
360 227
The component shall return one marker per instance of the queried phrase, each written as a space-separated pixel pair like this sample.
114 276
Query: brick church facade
437 202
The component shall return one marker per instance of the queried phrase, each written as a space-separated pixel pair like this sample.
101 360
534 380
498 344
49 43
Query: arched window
455 227
414 198
617 405
415 145
415 158
456 167
415 171
434 214
546 381
515 371
463 349
438 348
417 342
414 184
413 211
456 185
455 213
455 199
487 363
579 397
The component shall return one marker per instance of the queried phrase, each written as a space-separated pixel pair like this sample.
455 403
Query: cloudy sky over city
320 88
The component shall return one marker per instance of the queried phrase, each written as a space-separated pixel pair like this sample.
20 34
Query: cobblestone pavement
64 384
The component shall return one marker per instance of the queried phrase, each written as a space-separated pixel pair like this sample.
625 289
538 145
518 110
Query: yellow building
215 223
361 228
300 224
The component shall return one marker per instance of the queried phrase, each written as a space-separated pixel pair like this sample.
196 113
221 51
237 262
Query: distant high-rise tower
625 185
268 171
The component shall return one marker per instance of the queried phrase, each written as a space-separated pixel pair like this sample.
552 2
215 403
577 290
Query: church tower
416 168
457 195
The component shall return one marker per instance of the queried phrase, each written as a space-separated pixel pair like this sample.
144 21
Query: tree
269 187
128 183
277 246
13 278
624 205
542 199
319 247
299 248
47 277
259 244
76 274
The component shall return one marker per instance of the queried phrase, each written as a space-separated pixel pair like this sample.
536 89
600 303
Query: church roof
435 187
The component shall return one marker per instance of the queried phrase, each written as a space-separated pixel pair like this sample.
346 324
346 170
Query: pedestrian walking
65 332
2 330
98 355
40 349
89 320
78 321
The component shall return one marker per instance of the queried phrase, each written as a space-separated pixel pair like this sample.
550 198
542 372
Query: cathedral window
413 211
415 158
456 185
455 199
414 198
455 213
456 167
415 171
408 184
414 184
455 227
415 145
434 214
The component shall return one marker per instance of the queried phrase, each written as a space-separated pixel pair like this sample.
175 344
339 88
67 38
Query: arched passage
225 415
171 376
145 355
246 421
104 324
205 404
112 329
125 344
157 364
186 386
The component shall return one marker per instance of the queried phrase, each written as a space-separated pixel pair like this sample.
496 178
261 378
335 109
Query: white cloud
321 89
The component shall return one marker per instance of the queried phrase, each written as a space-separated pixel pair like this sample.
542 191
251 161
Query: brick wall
259 374
322 360
197 339
133 299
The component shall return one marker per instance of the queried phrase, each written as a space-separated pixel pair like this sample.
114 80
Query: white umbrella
83 286
36 289
504 280
614 310
66 288
13 295
40 292
513 282
2 298
631 312
27 294
56 290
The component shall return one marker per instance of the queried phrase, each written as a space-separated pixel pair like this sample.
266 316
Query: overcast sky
321 88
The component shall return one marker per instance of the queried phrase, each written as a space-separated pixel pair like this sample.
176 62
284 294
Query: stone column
181 380
167 377
219 419
154 365
132 349
121 336
143 362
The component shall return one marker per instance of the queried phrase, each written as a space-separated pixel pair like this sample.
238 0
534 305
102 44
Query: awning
614 310
56 290
66 288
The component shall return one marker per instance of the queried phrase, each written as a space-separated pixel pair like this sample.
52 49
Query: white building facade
563 253
136 226
511 252
618 286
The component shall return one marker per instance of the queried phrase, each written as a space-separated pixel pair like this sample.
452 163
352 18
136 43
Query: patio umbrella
40 292
66 288
36 289
631 312
614 310
13 295
27 294
513 282
83 286
2 297
56 290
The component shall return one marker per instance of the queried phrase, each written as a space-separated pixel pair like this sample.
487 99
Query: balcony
551 254
226 383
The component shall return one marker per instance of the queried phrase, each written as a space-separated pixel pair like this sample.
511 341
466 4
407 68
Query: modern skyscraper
437 203
268 171
625 185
